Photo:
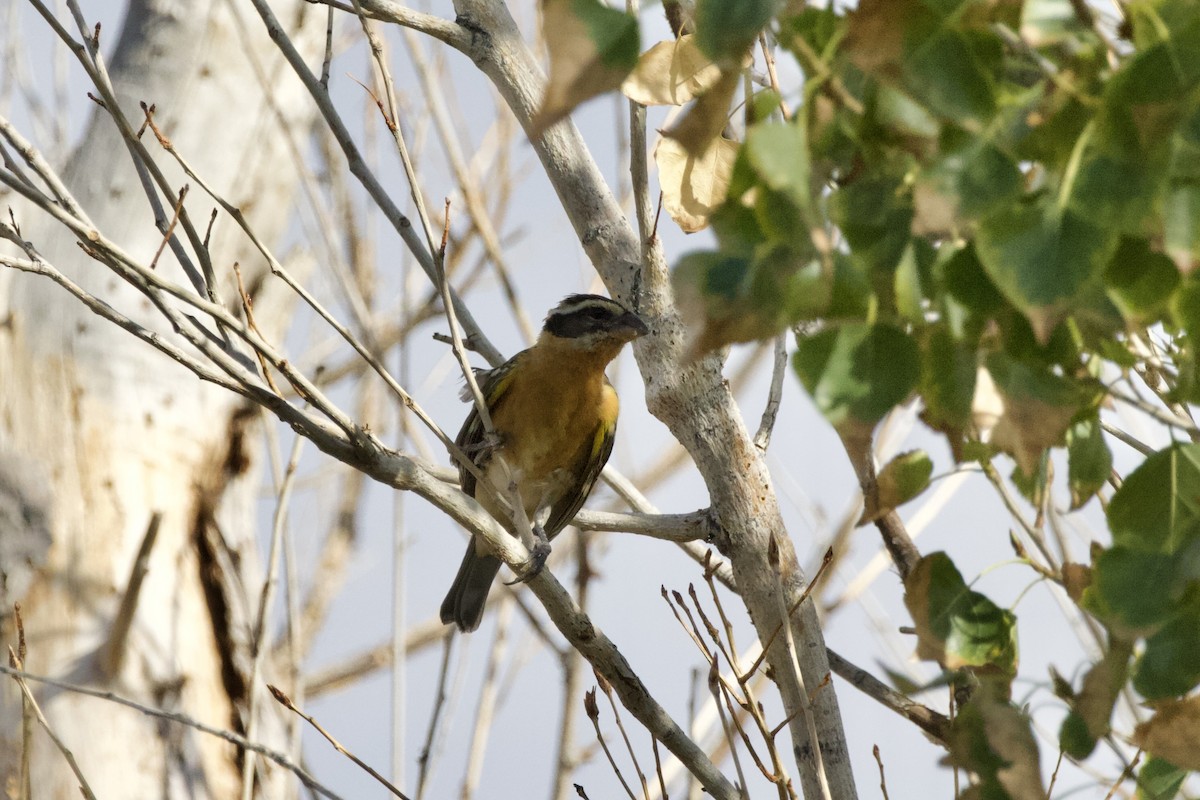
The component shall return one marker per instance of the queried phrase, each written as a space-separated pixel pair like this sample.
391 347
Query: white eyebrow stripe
566 309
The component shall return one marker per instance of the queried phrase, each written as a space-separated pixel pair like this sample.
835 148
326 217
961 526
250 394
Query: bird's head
589 321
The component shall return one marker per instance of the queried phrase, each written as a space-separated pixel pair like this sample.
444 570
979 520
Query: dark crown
581 314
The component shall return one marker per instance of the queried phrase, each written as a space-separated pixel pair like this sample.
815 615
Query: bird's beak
633 323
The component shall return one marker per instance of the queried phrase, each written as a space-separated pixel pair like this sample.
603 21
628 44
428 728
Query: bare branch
112 655
182 719
287 703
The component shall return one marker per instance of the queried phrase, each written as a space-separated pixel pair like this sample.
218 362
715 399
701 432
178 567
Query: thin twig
882 778
593 713
435 714
486 707
112 655
1054 775
714 688
170 226
786 620
18 675
606 687
287 703
1127 438
1125 775
182 719
762 438
266 597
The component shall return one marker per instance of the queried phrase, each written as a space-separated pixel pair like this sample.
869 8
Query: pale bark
94 393
120 433
694 401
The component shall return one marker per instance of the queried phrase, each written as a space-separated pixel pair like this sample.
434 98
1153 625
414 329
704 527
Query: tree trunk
98 432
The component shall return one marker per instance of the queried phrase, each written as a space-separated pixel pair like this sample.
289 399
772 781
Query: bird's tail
464 602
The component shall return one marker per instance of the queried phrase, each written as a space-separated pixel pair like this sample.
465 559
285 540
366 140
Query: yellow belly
545 436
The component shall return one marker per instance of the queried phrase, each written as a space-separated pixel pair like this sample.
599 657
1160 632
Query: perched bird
554 414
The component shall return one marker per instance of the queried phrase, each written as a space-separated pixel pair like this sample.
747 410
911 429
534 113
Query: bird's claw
537 558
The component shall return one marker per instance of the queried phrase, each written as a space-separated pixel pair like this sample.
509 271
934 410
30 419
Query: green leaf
1159 780
909 293
1185 307
715 295
778 153
1181 223
954 72
1140 282
1074 738
1042 259
1118 191
900 480
875 215
725 30
857 373
1157 508
1089 461
994 739
851 289
1118 591
613 33
1170 664
968 295
948 372
957 627
987 177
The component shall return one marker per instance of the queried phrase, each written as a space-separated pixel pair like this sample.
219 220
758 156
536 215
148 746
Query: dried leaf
705 120
1026 409
1172 733
693 185
1076 578
670 74
592 48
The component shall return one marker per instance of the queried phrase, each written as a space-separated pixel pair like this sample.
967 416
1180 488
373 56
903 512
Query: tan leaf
1010 737
693 185
935 211
1023 419
1101 685
670 74
1028 428
705 120
578 68
1076 578
1172 733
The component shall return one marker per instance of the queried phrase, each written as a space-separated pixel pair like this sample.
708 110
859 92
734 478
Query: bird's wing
588 470
493 384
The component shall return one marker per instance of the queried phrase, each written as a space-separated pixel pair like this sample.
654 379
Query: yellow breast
547 422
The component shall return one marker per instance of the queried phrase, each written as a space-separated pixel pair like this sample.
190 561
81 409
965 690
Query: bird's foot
488 443
537 557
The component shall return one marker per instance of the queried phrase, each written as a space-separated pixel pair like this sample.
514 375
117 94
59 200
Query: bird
554 418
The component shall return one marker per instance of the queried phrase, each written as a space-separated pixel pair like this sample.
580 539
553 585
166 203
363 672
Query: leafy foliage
992 207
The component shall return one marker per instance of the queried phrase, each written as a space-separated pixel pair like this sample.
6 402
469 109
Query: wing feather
588 469
494 385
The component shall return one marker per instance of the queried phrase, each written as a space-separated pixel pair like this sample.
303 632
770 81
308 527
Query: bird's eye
596 313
